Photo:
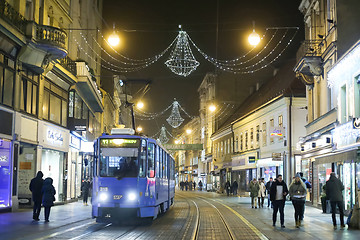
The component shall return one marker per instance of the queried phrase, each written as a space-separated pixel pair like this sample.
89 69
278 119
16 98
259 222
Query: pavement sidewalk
16 225
316 225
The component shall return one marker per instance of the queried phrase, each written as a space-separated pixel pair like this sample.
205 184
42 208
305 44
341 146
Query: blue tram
133 176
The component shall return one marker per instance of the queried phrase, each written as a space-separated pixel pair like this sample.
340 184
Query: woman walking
48 193
297 191
262 192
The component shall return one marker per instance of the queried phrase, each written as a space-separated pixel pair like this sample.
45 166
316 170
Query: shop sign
75 142
54 136
276 132
252 159
238 162
345 134
276 157
356 123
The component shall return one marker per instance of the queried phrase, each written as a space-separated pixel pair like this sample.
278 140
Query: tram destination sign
179 147
119 142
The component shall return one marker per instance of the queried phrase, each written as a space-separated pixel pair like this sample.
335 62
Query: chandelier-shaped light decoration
182 61
163 137
175 119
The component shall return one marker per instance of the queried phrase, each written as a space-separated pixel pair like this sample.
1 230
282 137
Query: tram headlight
132 196
103 196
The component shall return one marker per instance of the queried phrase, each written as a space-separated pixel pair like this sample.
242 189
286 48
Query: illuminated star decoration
175 119
182 61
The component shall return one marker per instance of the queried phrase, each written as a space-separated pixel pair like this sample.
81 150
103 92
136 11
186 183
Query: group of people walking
190 185
277 191
231 188
43 194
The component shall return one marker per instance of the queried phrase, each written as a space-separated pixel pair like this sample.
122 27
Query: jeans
235 191
340 205
47 212
278 206
36 209
299 209
269 201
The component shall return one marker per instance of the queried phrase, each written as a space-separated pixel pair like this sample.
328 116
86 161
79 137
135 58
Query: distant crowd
190 185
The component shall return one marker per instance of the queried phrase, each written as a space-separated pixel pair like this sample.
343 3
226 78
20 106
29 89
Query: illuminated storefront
55 146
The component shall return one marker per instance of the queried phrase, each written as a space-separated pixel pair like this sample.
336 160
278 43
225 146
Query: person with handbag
297 192
48 193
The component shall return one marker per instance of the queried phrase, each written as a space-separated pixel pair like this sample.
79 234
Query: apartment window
246 140
251 138
257 134
241 142
229 145
343 104
280 118
54 103
7 78
271 127
264 136
29 92
236 143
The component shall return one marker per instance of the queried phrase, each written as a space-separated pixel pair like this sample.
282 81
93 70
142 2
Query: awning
348 156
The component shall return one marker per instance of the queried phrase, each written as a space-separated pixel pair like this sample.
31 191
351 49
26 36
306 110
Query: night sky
155 25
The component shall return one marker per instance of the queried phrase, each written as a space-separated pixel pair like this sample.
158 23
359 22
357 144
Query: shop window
5 173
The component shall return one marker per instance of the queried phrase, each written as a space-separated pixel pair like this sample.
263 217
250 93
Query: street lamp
188 131
139 129
177 141
254 38
212 108
113 39
140 105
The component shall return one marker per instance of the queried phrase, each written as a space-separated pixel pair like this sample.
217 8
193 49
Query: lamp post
254 38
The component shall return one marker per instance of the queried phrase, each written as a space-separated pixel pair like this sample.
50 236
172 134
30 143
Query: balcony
309 61
68 64
87 88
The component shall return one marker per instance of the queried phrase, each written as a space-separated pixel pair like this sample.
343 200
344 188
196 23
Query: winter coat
48 192
273 190
334 188
235 185
262 190
85 187
254 189
268 185
35 187
297 189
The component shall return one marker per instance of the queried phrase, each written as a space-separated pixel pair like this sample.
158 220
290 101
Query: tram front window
119 162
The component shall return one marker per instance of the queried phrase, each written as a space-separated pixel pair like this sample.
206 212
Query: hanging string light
175 119
163 138
182 61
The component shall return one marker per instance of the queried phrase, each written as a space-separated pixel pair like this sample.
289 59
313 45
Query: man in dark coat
227 187
35 187
334 188
85 188
268 187
278 192
235 188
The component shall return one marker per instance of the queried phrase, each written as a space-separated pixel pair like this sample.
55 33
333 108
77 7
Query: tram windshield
119 157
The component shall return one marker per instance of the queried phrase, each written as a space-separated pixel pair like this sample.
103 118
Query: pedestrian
194 183
85 188
278 192
227 188
308 187
182 186
48 198
323 198
186 184
235 187
268 186
200 185
254 192
297 192
35 187
334 188
262 193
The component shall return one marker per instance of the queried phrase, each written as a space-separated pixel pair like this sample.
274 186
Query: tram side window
142 160
161 162
151 160
157 162
165 165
